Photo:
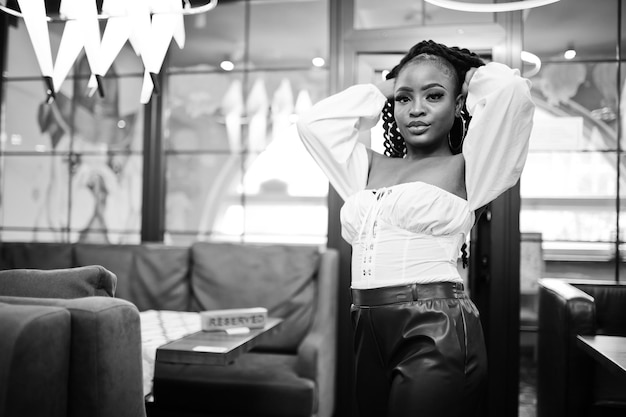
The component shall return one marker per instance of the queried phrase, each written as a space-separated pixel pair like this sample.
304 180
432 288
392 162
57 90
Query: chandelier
148 25
490 7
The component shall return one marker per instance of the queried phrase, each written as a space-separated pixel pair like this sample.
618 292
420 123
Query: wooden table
215 348
610 351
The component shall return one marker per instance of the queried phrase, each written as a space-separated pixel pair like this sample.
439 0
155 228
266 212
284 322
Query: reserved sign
251 318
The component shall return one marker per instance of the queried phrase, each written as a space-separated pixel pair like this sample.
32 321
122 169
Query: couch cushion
151 276
58 283
610 303
608 389
35 255
610 308
105 377
255 385
117 259
280 278
160 278
34 360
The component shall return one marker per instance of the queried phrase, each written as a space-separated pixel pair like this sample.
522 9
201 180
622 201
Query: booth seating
67 348
569 382
292 374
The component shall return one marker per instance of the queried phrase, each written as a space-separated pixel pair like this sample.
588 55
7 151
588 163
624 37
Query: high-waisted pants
420 352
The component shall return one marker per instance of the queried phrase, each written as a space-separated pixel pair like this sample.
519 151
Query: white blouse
412 232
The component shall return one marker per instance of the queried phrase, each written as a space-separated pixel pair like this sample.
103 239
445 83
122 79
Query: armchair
569 382
68 347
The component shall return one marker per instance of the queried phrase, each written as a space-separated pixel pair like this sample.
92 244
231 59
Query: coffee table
171 336
610 351
215 347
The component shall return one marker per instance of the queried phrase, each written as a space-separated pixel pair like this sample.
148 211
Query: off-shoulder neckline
376 190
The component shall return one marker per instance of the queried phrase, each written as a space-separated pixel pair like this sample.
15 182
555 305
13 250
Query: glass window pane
233 155
271 221
21 59
598 269
211 38
99 138
569 198
588 27
576 106
284 91
372 14
79 122
622 217
106 198
29 124
203 195
206 112
282 186
288 34
35 195
572 175
623 33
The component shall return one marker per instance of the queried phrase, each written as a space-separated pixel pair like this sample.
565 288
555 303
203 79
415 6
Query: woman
418 339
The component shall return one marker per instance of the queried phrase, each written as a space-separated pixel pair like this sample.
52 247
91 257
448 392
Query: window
71 169
572 185
235 169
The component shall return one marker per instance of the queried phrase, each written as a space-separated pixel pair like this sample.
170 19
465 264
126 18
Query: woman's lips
418 128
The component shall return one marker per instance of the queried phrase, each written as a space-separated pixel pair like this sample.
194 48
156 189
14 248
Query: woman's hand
468 76
386 87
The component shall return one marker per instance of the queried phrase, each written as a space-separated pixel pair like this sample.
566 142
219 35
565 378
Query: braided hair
460 60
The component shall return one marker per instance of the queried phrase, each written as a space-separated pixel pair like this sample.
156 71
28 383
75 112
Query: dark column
344 398
4 43
153 201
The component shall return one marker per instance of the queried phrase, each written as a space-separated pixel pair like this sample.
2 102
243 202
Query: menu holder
233 320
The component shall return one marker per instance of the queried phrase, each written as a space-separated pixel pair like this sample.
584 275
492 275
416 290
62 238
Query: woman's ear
458 106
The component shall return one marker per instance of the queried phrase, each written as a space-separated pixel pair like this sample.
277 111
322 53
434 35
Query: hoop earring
463 129
460 130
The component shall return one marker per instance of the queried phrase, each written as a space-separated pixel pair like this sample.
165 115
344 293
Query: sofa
291 374
569 382
68 348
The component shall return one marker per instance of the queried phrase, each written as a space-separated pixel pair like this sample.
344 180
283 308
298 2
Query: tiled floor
527 386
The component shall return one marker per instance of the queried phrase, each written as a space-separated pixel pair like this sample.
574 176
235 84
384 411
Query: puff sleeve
496 144
330 132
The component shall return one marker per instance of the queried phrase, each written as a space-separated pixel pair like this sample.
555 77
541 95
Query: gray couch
67 347
291 375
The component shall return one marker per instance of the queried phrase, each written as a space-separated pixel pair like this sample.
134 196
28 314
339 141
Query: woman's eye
435 96
402 99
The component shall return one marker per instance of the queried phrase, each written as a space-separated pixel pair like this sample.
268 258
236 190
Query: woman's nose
417 108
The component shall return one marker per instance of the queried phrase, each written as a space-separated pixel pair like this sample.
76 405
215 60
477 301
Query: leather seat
569 382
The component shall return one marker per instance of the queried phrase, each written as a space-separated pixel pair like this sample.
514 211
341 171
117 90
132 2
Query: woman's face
425 104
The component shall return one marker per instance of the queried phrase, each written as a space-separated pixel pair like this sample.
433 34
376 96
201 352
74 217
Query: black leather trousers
423 356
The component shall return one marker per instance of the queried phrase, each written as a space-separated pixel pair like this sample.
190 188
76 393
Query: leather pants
423 357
